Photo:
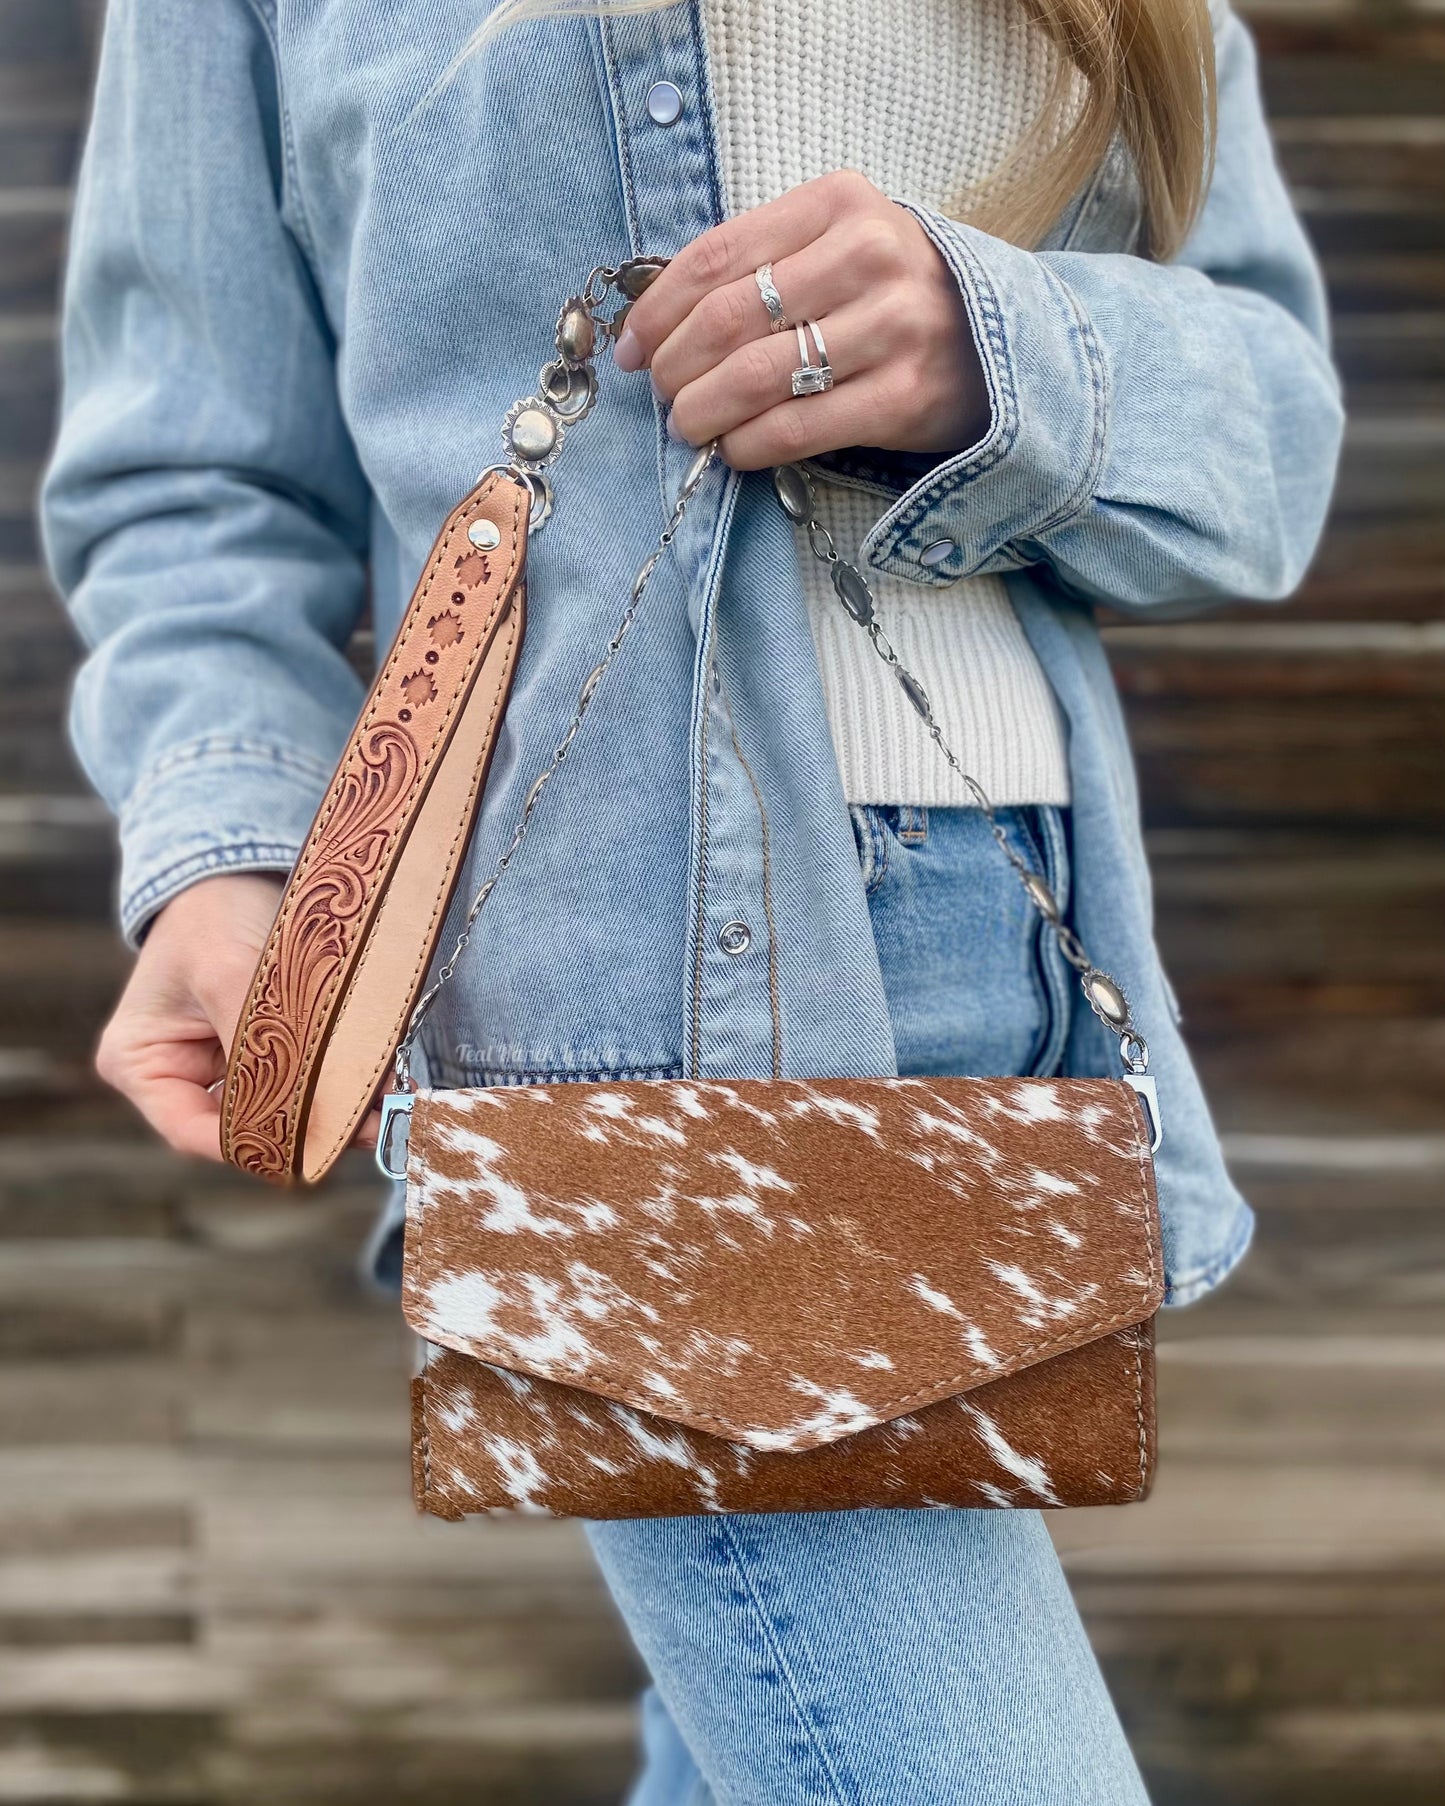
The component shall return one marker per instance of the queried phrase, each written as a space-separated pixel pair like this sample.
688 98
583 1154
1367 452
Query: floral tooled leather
423 688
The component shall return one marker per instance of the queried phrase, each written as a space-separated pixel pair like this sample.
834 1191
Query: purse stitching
1146 1186
1139 1414
886 1408
426 1480
309 856
424 954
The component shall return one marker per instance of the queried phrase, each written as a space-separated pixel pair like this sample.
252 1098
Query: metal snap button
734 938
664 103
937 552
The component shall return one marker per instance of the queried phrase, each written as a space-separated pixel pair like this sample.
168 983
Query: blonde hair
1140 71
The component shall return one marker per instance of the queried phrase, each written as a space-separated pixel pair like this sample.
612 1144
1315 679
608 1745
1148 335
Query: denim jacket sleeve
1162 435
204 512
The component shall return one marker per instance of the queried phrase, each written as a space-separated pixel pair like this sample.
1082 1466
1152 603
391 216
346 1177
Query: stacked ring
772 300
812 378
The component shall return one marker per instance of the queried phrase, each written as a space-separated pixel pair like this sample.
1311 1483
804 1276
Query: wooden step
57 857
1322 1074
1259 927
29 380
1370 297
33 225
1397 160
1273 654
1367 571
40 144
46 34
1313 757
1349 75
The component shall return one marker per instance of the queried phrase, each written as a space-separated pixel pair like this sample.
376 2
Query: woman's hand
907 374
168 1040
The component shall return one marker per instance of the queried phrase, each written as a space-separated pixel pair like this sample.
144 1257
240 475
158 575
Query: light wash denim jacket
303 291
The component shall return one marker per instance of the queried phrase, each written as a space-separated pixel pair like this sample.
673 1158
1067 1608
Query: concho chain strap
532 438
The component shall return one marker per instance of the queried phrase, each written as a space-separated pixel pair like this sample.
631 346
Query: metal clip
1149 1091
393 1136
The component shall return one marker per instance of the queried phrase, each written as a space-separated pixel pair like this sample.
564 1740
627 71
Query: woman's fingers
847 415
164 1060
757 378
185 1115
813 282
727 253
847 257
166 1043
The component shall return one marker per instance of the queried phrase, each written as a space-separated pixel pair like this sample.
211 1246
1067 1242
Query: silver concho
915 692
793 491
568 389
532 433
1106 997
853 591
576 331
638 275
1042 897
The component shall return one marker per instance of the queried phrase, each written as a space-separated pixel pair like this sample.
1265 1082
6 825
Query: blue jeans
889 1658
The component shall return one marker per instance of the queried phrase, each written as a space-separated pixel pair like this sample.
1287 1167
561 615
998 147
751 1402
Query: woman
1079 353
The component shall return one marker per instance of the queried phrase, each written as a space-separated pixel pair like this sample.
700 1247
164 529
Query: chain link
1103 994
796 493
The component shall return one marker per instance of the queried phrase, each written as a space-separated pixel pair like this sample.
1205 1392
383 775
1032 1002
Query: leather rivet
485 535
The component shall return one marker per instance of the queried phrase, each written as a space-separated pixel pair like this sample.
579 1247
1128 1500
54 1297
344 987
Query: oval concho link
793 485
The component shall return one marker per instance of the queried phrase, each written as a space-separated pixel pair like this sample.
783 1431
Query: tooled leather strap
364 905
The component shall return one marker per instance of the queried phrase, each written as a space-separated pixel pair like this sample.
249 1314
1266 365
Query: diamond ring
812 378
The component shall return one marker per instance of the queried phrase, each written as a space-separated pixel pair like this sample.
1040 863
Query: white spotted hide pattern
678 1296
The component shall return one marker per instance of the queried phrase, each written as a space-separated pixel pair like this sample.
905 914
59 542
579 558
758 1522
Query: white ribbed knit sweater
926 97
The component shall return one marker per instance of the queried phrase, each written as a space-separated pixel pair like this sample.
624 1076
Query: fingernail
627 353
673 431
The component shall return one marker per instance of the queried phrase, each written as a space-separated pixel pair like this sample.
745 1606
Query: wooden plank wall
212 1589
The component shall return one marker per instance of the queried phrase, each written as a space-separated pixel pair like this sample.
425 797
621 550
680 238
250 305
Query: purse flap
779 1262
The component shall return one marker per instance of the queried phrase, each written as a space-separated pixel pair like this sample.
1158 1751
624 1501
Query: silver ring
772 300
812 378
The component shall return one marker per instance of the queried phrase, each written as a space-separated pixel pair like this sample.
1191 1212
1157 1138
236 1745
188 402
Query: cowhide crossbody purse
640 1299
